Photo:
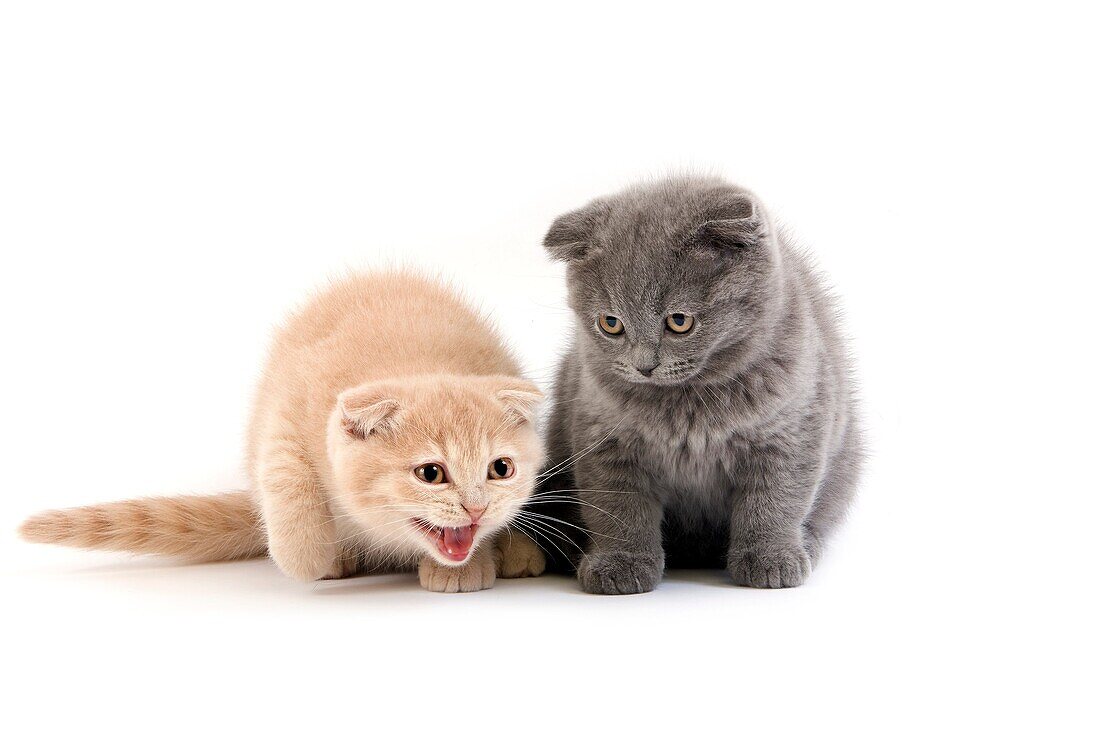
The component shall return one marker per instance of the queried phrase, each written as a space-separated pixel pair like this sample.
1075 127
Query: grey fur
742 448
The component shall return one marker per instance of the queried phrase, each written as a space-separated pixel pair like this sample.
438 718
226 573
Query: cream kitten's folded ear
520 397
369 408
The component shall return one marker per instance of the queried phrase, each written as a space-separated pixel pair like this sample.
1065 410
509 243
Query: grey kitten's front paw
769 566
620 573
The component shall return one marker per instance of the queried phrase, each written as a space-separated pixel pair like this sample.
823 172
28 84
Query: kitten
704 413
390 431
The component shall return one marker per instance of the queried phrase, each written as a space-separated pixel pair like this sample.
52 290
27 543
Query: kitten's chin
449 545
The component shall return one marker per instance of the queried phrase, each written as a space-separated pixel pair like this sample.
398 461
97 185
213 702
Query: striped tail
199 528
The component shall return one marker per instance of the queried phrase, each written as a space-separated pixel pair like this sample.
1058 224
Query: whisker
530 515
552 469
569 463
522 522
543 549
578 502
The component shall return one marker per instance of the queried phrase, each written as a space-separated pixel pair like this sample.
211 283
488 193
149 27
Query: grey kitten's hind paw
620 573
769 566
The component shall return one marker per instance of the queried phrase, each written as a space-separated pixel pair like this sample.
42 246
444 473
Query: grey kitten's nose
645 371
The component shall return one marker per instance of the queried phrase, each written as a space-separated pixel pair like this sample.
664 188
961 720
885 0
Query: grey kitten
704 413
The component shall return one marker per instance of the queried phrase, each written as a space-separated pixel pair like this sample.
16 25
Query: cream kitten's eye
610 325
502 468
679 323
431 473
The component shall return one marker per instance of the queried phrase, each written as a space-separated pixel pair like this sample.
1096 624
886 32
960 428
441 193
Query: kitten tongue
457 541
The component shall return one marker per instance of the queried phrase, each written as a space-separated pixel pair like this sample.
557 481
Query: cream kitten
390 431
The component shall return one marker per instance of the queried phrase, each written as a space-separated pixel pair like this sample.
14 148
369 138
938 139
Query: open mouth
453 543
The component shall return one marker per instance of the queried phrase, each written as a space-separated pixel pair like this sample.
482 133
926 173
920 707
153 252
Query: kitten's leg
301 535
348 562
773 496
834 494
518 557
477 573
623 521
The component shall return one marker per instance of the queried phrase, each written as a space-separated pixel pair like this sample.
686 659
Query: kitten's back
366 327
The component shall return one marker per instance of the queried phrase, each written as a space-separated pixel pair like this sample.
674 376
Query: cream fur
378 374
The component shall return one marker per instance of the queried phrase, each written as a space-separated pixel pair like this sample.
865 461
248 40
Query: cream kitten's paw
302 543
345 565
301 560
478 574
519 557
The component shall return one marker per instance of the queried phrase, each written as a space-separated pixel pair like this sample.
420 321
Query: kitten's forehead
447 411
464 426
644 253
667 211
460 417
646 274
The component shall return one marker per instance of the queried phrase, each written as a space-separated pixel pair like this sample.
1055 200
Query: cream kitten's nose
475 512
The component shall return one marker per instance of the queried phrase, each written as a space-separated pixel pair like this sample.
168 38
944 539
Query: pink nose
475 512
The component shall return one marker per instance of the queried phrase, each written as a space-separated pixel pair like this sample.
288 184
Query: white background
174 177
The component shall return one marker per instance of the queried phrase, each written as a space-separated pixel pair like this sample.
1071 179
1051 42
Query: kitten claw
769 566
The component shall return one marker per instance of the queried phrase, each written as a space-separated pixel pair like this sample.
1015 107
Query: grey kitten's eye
679 323
610 325
430 473
502 468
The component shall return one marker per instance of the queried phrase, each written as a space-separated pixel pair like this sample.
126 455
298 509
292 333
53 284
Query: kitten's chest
687 448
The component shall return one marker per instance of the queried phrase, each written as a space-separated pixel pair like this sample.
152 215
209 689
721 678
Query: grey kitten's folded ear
570 236
737 222
368 409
